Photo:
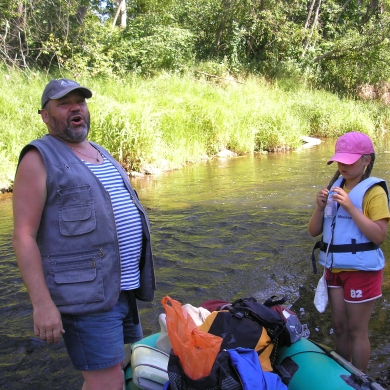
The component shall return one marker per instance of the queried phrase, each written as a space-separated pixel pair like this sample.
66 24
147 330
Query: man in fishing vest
81 239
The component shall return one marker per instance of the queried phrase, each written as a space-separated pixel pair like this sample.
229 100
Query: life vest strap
352 248
344 248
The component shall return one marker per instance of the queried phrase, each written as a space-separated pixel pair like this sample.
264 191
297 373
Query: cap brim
345 158
85 91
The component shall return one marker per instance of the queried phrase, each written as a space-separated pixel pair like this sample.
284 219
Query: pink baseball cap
350 147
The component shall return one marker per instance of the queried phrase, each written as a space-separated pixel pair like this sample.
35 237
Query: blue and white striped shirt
128 222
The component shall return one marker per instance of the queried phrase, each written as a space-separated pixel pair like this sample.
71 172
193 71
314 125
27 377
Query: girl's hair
366 173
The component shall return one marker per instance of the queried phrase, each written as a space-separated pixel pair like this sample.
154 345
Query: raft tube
304 365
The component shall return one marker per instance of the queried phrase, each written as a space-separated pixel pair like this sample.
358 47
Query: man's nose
75 107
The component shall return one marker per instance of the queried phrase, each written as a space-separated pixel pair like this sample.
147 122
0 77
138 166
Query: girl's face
354 172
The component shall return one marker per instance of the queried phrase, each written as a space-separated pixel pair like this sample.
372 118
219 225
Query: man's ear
44 115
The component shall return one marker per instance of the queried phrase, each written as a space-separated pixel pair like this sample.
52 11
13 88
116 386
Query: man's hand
47 322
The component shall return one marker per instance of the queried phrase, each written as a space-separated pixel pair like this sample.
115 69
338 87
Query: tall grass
168 121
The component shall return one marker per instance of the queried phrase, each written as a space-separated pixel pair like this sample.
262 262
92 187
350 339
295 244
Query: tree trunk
80 15
123 12
309 13
18 26
372 10
342 10
222 24
314 25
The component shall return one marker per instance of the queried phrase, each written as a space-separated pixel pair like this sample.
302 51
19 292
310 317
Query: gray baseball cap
57 89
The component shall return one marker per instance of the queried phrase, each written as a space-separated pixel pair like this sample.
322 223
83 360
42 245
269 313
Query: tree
37 31
314 24
123 12
339 43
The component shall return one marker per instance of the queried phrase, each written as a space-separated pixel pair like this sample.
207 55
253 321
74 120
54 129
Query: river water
223 229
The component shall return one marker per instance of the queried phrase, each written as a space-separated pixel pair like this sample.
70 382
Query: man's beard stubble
75 134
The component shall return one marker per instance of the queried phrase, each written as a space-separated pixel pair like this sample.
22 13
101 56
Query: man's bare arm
29 197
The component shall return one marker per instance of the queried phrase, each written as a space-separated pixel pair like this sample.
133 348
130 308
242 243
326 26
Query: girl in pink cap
352 214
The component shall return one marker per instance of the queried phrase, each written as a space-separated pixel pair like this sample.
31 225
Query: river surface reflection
223 229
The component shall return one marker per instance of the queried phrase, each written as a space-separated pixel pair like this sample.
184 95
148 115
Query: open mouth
77 120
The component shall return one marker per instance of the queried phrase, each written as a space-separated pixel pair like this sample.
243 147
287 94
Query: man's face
67 118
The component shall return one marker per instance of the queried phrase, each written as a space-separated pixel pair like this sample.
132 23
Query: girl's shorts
96 341
358 286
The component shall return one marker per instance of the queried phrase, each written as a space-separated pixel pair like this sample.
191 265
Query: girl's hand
322 197
315 223
341 197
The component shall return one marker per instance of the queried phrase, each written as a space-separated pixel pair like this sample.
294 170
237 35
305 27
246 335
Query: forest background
176 81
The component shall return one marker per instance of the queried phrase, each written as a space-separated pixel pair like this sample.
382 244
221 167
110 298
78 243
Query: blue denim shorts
96 341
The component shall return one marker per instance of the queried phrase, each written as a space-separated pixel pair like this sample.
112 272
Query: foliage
338 44
169 120
156 49
349 59
186 78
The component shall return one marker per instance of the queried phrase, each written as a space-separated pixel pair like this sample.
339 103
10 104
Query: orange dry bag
196 350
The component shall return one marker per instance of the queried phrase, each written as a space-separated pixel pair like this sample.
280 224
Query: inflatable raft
304 366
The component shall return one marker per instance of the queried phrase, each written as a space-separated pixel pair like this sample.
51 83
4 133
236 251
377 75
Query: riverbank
169 121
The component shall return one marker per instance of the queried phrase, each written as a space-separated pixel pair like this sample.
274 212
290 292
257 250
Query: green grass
168 121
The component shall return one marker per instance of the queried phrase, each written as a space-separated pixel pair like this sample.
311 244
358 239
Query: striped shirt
128 222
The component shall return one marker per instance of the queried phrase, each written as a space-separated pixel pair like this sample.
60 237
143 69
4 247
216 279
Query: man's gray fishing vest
77 235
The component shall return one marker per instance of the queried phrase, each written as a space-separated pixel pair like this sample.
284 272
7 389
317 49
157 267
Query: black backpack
223 375
272 321
240 324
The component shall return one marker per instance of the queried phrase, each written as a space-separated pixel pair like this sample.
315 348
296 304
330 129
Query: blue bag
247 365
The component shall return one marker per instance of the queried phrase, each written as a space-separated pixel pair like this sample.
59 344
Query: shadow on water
221 230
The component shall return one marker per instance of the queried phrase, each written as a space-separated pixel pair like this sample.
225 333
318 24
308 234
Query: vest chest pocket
75 280
76 211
